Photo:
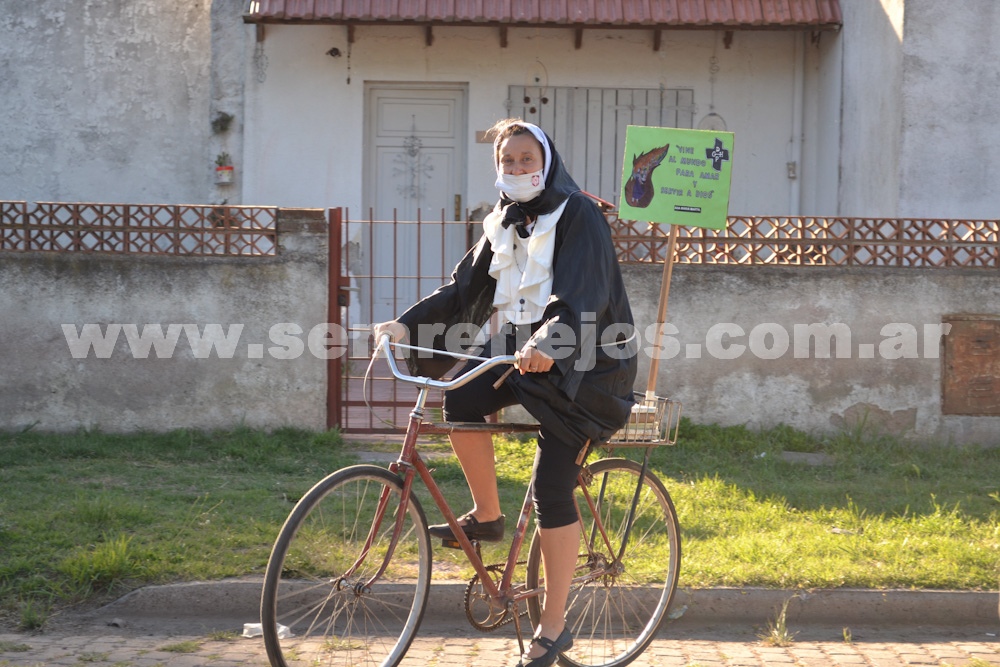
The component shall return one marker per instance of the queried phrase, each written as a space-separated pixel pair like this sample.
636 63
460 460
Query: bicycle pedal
454 544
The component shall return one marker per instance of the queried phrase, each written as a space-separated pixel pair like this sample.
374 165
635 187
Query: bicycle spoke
317 579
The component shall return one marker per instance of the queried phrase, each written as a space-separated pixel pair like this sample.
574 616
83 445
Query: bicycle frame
410 465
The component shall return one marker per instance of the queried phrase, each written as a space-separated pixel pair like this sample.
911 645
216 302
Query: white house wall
950 96
820 173
921 88
872 108
304 122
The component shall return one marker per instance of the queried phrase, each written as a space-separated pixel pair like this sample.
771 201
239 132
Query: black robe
581 398
587 395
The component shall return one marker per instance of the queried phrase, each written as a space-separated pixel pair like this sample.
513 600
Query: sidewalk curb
240 600
841 606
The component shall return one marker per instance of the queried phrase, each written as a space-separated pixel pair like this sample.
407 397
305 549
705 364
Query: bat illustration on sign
639 186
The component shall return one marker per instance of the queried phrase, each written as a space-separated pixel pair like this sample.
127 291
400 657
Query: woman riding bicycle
546 264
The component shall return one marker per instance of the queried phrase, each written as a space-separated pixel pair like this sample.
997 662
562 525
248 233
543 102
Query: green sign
676 176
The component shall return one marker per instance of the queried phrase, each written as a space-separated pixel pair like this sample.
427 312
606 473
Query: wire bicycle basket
655 420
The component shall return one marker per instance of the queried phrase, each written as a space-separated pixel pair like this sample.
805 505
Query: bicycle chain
495 621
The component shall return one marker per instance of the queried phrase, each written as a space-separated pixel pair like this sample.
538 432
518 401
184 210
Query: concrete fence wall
733 364
44 385
744 344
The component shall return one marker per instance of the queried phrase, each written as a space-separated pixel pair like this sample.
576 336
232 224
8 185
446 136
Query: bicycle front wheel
625 594
317 607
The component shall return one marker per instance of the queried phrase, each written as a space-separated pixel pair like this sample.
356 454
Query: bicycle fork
405 457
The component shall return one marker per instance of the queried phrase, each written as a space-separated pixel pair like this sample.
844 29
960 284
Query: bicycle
349 574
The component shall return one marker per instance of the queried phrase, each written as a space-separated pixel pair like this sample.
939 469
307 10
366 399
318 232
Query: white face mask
521 188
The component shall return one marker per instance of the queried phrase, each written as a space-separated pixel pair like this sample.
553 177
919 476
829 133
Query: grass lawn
91 515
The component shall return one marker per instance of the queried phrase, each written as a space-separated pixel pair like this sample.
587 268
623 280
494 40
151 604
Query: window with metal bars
588 125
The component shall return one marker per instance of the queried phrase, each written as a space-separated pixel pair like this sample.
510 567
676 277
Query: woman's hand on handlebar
530 360
395 330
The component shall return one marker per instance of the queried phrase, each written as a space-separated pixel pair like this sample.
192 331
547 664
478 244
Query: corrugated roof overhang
813 15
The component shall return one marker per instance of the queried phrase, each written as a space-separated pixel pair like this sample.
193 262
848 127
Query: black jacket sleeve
467 299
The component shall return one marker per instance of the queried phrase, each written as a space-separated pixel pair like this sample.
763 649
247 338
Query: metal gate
378 268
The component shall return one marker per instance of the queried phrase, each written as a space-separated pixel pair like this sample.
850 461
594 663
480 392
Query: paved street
201 623
731 645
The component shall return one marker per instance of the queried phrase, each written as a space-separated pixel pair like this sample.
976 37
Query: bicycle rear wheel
615 616
314 609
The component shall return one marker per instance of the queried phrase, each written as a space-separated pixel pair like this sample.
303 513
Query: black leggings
554 472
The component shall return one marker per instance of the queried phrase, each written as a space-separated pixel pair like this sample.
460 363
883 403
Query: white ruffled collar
535 282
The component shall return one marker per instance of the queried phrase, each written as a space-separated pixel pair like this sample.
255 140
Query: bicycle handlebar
454 383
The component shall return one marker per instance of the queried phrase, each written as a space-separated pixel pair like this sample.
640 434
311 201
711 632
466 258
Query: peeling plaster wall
106 101
749 376
725 359
44 385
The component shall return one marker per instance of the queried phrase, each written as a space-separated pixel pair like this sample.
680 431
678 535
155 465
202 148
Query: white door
415 155
415 149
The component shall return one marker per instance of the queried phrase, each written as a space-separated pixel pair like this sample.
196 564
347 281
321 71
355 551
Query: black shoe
553 647
486 531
